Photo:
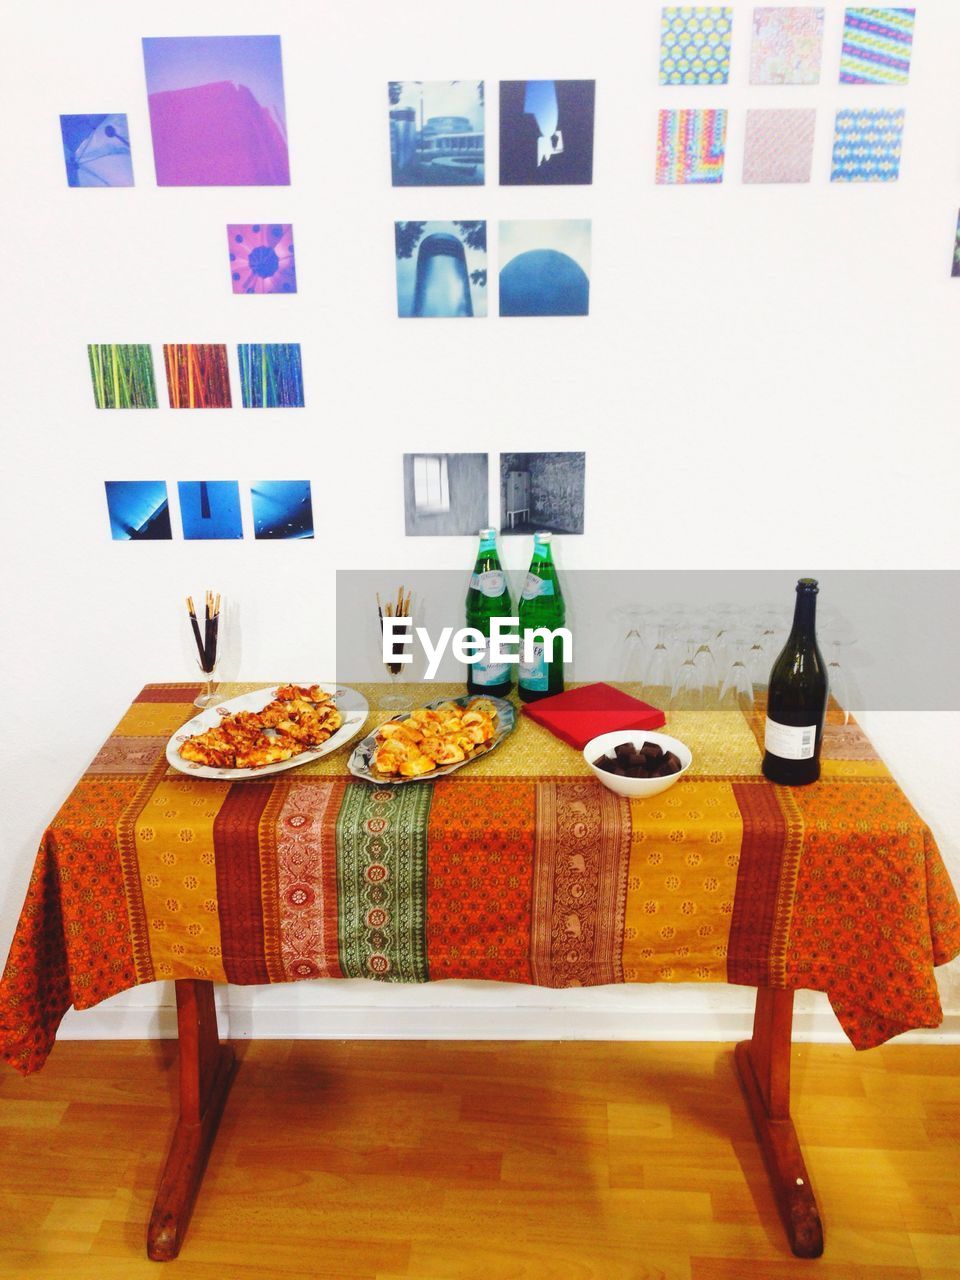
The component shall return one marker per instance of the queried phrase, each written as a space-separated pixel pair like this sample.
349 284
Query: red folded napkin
580 714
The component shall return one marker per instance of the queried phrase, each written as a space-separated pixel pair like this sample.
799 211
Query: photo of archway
441 269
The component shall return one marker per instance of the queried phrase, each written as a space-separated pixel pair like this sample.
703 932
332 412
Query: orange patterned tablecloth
521 868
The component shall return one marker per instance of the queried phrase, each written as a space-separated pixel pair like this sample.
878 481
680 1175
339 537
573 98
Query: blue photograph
546 132
436 133
271 376
210 509
545 268
139 511
441 269
96 150
282 509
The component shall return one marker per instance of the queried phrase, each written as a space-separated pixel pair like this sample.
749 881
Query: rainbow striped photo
690 146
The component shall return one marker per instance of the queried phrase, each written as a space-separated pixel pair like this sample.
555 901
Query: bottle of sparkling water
541 605
488 596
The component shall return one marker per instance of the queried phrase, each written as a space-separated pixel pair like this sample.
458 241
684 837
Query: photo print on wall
787 46
441 269
444 494
210 509
436 133
282 509
955 268
546 132
122 375
217 111
867 146
96 151
877 44
138 510
779 144
542 491
690 147
695 45
270 375
197 375
545 267
261 257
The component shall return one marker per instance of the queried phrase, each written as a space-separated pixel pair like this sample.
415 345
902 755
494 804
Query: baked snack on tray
298 719
445 734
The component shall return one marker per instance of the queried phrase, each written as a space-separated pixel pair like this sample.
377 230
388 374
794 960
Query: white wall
768 373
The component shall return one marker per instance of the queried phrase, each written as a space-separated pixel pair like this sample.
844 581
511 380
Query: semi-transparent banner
889 638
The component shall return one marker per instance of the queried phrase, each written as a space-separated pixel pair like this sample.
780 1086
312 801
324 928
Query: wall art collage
217 114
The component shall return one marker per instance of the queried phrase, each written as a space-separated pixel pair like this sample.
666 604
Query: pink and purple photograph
261 257
217 112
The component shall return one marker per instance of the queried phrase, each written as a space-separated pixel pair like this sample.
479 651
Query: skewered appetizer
297 720
445 734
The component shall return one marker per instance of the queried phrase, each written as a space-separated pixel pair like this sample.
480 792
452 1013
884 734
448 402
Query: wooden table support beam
207 1068
763 1065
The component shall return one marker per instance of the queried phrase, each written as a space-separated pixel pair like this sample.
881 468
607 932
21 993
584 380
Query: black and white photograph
541 491
444 494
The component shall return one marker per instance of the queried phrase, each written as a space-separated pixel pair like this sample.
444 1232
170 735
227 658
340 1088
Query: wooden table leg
206 1072
763 1064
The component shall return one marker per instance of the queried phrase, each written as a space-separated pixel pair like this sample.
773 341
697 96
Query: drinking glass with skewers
208 650
394 646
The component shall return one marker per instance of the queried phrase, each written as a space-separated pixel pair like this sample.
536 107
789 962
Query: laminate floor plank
390 1160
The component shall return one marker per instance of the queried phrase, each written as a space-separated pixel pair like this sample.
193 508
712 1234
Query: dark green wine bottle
797 699
541 605
488 596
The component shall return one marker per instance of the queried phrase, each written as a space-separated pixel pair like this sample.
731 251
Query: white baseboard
465 1022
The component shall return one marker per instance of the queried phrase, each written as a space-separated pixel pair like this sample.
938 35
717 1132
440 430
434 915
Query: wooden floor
482 1161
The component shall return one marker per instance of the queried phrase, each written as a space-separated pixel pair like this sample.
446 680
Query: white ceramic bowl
639 787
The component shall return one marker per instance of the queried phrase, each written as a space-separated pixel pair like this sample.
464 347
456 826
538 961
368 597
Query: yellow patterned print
174 837
153 719
684 853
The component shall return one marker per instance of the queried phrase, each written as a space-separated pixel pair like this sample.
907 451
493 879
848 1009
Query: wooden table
522 868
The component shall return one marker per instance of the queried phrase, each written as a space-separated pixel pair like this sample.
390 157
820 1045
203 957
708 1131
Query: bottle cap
808 584
488 534
543 536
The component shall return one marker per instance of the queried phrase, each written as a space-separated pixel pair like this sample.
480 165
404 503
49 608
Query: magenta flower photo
261 258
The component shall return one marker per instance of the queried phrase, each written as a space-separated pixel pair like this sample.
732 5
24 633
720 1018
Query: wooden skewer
196 628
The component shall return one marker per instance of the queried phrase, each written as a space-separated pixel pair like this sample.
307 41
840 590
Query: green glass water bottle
541 605
488 596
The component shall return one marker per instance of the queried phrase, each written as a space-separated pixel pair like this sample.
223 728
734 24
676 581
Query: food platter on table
363 760
350 706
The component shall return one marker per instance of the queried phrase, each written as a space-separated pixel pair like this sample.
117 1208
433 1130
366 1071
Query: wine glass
736 691
658 668
688 692
837 636
629 658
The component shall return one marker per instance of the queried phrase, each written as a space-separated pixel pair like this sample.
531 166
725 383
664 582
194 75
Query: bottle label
485 672
790 742
492 583
534 587
533 675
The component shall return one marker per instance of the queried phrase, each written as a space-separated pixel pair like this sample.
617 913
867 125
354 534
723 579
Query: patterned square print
690 146
877 44
779 145
867 146
787 46
955 269
695 45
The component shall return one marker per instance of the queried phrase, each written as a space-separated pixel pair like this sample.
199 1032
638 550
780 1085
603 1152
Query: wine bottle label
486 672
790 741
492 583
534 587
533 675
